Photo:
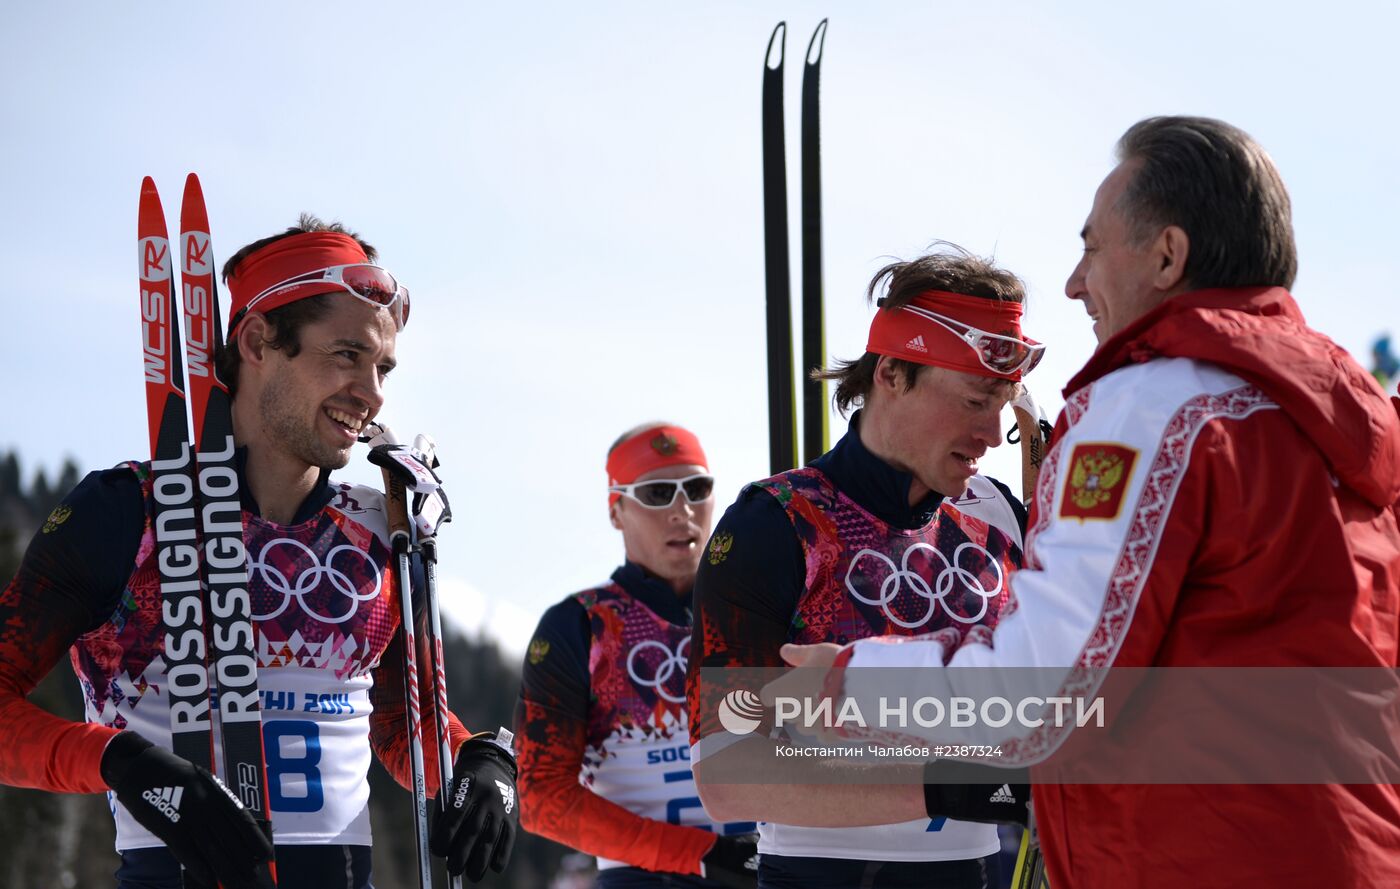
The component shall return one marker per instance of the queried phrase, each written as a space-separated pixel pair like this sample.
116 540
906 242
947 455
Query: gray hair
1219 186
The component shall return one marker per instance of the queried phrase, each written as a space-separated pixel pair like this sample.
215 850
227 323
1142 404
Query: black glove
483 813
1003 803
732 861
969 791
200 821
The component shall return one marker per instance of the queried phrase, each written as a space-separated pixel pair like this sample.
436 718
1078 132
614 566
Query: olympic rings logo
311 578
671 661
953 572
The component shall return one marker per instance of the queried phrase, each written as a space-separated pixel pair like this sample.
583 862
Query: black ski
816 427
782 406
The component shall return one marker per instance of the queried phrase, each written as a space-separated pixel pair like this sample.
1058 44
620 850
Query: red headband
901 334
653 448
284 259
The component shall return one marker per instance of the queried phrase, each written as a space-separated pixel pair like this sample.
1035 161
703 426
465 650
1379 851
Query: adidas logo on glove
1003 795
507 795
166 800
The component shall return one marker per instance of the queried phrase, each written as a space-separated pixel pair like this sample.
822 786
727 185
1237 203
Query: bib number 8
292 749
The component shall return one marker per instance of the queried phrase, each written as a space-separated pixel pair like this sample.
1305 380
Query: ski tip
193 216
192 186
150 215
818 43
768 60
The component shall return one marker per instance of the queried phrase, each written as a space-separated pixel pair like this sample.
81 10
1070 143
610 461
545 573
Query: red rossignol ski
173 493
225 560
172 484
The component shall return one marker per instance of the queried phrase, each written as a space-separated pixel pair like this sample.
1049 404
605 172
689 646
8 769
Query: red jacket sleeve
37 625
71 576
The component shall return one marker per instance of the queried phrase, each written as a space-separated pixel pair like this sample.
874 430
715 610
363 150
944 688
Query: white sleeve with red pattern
1103 502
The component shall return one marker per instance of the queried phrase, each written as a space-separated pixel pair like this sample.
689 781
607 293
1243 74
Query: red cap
653 448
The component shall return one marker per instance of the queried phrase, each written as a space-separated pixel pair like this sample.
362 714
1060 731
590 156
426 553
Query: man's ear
252 339
612 513
888 375
1172 248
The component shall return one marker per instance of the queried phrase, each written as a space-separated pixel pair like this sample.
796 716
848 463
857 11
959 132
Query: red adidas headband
285 259
984 333
651 449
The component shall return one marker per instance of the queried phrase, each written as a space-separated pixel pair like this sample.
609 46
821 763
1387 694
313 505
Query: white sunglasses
659 493
1000 354
364 281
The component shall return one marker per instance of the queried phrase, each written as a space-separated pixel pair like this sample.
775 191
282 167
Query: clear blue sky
572 192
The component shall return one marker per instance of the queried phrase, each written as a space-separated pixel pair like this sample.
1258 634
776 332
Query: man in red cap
1220 499
312 336
892 532
602 722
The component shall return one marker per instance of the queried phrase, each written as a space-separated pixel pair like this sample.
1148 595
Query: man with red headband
1221 495
855 544
312 335
601 722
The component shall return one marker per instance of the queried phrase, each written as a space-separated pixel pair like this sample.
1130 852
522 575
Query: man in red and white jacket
1221 492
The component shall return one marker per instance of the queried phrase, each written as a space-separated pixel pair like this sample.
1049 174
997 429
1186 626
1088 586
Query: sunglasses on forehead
998 353
660 493
368 283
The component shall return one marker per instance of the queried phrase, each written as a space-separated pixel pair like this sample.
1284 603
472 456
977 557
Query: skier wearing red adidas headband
312 335
601 721
854 545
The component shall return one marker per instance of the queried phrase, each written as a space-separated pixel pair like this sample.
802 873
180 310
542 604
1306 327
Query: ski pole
1033 433
435 662
396 507
428 517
